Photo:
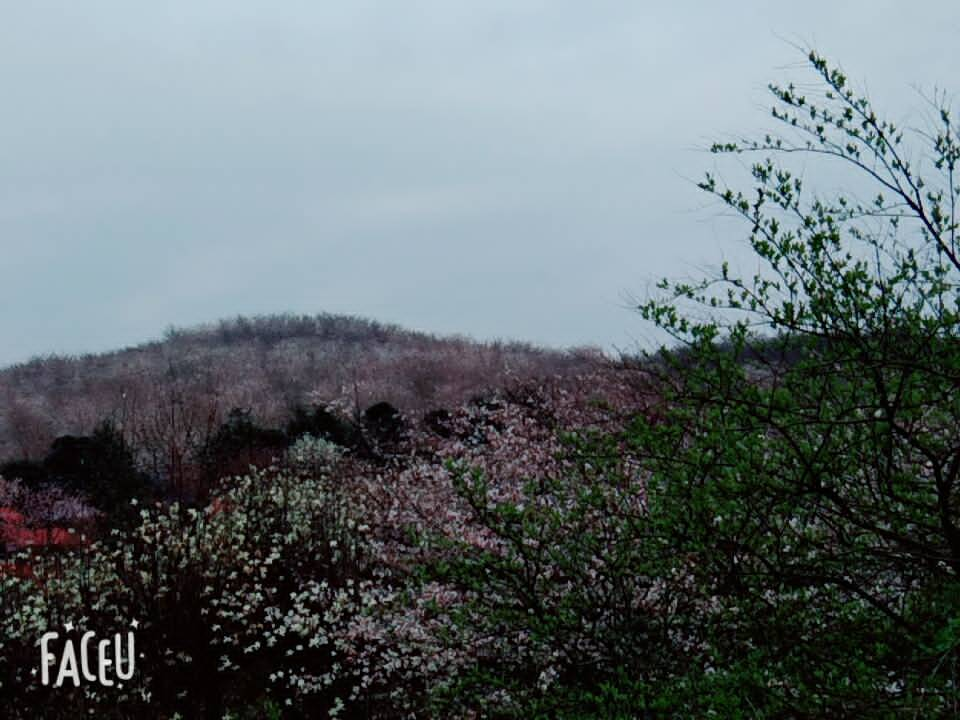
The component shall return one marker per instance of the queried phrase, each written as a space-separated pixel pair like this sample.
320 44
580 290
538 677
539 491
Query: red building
16 535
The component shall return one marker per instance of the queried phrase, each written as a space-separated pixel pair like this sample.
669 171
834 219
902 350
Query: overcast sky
500 168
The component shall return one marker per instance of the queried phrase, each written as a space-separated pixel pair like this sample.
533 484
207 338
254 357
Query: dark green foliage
383 422
31 472
239 443
100 466
320 422
438 422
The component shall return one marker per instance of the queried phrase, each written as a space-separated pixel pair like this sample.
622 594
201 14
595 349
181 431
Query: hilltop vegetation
268 365
171 403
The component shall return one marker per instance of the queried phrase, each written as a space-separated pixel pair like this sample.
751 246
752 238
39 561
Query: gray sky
500 168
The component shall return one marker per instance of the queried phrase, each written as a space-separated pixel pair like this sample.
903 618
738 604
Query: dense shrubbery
263 598
298 585
99 469
322 423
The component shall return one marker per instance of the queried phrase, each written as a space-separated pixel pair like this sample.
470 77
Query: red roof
13 532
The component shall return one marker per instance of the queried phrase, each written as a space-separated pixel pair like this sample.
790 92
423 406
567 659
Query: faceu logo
77 662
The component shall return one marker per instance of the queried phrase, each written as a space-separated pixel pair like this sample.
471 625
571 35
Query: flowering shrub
37 518
262 597
298 587
44 507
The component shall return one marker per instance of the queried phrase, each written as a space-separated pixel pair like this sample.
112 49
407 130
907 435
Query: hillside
171 392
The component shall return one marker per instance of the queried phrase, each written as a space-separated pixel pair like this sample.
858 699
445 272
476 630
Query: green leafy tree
810 459
798 551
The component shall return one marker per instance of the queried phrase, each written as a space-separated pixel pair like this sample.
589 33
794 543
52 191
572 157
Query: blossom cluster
297 586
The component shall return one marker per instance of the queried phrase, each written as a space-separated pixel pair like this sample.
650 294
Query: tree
321 423
799 551
239 443
100 466
810 462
